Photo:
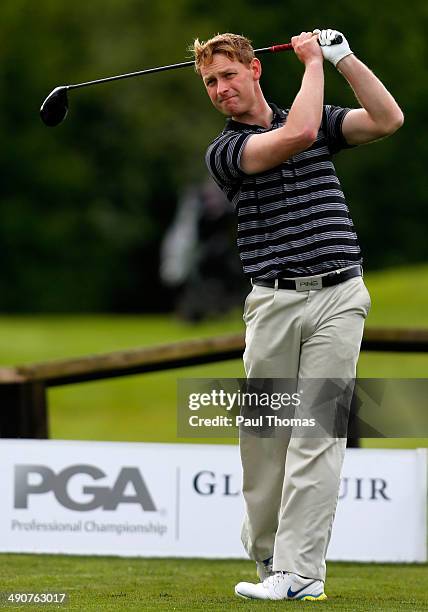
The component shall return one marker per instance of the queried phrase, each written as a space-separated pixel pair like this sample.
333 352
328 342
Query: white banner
184 500
382 509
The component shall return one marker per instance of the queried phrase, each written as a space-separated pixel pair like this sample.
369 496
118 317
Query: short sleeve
333 117
223 157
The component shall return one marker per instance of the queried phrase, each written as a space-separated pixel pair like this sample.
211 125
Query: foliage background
84 205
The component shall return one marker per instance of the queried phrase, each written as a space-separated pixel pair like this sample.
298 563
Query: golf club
55 107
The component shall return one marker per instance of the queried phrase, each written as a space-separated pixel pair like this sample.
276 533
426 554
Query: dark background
84 206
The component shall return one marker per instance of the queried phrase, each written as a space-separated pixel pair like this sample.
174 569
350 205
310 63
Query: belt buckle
308 284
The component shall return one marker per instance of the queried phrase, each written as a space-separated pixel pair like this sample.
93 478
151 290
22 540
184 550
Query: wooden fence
23 389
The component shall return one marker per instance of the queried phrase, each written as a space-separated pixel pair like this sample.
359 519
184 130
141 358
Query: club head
54 109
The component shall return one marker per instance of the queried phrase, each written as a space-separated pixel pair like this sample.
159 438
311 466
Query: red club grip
289 46
284 47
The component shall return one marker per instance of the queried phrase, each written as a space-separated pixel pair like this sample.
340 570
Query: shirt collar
278 117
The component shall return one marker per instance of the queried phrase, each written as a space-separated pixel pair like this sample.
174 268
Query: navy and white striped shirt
293 219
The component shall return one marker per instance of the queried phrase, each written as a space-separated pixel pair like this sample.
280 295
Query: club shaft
273 49
129 75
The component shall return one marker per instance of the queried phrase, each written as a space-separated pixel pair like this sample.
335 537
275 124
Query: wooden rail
23 389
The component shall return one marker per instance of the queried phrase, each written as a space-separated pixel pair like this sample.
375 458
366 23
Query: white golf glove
333 53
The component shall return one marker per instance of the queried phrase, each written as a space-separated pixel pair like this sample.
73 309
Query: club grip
337 40
284 47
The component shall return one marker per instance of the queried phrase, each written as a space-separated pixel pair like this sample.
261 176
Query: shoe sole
321 597
245 596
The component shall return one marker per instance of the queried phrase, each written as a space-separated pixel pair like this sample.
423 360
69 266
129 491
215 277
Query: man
305 314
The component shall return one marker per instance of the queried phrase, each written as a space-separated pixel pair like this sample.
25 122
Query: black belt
309 283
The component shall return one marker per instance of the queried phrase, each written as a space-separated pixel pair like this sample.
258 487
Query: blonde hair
235 47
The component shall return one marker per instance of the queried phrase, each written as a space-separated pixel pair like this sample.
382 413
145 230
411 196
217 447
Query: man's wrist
316 61
346 62
349 57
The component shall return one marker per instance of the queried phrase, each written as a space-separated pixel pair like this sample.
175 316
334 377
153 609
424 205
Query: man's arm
269 149
380 114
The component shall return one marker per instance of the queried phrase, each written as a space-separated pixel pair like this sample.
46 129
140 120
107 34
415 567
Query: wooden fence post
23 410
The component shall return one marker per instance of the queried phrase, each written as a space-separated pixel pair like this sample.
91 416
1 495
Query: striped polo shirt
293 220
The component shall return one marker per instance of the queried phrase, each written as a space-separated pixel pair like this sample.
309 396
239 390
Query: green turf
105 583
142 408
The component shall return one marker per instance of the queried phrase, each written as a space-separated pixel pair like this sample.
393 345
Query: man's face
231 84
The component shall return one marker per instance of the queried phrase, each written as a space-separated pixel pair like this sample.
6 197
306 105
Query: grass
142 408
105 583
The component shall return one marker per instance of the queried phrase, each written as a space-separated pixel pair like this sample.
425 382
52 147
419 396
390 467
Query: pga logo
33 480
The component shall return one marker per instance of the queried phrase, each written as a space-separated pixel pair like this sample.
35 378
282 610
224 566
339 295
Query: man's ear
256 68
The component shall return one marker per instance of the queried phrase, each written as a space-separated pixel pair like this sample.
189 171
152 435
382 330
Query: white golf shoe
283 585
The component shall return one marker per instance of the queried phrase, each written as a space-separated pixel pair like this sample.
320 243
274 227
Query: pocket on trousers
356 295
246 305
257 298
367 303
369 300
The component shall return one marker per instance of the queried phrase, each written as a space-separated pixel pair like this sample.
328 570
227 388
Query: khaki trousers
291 485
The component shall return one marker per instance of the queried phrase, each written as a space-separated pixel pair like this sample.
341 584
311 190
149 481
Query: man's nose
222 88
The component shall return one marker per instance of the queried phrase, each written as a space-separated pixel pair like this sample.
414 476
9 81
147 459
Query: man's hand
306 47
332 53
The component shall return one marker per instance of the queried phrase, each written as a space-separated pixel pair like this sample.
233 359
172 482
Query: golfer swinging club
276 167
